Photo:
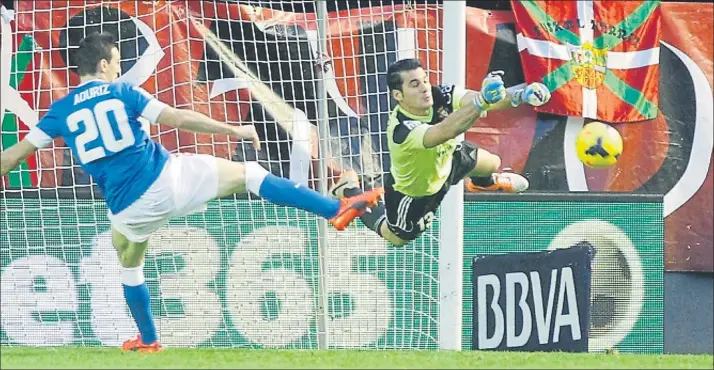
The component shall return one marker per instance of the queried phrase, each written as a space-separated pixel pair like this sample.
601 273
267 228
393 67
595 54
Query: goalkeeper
426 158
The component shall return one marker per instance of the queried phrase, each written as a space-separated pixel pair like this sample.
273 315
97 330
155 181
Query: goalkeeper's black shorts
409 217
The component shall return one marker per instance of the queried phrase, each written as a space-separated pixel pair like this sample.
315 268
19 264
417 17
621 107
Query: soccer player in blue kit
144 185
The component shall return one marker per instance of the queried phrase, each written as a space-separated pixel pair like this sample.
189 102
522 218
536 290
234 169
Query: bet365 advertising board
246 274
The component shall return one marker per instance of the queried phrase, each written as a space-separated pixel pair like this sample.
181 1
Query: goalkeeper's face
416 90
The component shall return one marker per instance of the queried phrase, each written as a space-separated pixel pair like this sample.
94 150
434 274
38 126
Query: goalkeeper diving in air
426 159
143 184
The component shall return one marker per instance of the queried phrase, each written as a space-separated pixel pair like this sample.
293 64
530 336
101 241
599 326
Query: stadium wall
688 314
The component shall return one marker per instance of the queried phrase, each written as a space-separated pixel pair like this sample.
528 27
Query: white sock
254 176
132 276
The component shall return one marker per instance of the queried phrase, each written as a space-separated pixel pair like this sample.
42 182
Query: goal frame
445 272
451 229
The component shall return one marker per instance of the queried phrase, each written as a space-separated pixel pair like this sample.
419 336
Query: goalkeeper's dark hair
394 72
92 49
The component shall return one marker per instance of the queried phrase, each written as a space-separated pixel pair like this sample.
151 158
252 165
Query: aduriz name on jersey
91 93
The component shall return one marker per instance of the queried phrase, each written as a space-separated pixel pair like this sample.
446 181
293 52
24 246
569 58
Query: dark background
350 4
298 6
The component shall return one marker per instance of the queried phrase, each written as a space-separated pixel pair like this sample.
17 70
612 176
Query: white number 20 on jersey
96 124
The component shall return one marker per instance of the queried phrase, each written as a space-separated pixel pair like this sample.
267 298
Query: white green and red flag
600 59
18 53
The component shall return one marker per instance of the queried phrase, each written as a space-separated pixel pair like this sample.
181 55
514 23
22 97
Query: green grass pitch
183 358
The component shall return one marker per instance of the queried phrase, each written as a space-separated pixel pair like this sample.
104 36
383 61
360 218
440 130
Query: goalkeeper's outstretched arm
535 94
453 125
475 104
507 102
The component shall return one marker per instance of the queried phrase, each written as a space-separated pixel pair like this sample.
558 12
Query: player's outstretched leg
348 186
485 176
236 178
136 293
375 217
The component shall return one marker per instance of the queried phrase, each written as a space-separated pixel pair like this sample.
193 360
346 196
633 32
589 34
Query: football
598 145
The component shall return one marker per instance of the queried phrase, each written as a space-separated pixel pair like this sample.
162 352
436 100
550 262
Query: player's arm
465 111
506 102
189 120
470 105
13 156
156 111
535 94
40 136
452 126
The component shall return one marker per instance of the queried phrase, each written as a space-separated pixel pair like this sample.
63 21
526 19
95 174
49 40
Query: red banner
599 58
671 154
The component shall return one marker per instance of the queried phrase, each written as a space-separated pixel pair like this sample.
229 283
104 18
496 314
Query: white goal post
451 234
244 273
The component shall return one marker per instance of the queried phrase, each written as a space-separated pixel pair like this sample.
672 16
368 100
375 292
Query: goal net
244 273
